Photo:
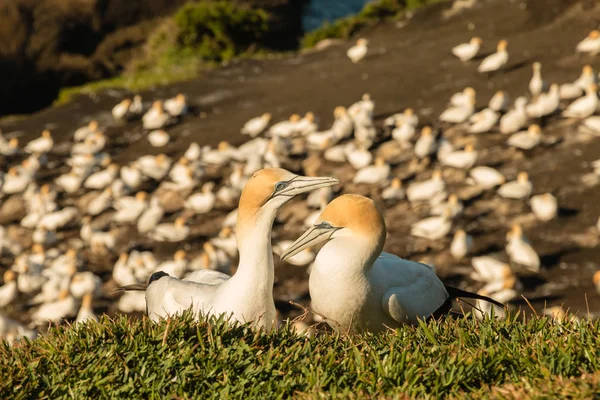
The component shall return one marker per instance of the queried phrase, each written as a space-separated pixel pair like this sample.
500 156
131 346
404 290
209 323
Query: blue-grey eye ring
280 186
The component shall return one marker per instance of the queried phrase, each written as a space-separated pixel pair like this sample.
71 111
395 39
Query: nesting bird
495 61
467 51
358 51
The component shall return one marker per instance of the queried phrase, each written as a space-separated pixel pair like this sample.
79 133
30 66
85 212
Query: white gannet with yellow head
496 60
358 51
467 51
356 286
591 44
247 296
585 106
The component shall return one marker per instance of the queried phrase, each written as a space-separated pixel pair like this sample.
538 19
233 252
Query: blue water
317 12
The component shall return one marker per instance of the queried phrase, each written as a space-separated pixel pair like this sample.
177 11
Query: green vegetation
178 358
373 13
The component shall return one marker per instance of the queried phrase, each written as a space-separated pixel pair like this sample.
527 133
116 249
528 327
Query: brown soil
407 66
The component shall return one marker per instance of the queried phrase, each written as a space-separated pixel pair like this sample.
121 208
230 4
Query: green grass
181 359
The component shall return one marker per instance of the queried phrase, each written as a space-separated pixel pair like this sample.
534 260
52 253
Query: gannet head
426 131
594 34
339 111
366 97
522 177
179 255
180 98
534 129
502 45
141 196
409 112
460 234
126 102
348 215
587 70
157 106
596 278
266 116
46 134
309 116
396 183
476 40
270 188
537 66
93 125
362 42
10 276
592 89
13 143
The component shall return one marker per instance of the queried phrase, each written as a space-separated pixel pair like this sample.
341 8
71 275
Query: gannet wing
207 277
414 289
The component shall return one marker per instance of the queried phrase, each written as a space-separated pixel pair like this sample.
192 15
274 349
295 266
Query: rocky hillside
48 44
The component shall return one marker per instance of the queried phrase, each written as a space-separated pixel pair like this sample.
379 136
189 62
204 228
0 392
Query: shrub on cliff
218 31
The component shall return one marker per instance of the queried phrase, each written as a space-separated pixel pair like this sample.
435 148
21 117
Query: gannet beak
316 234
303 184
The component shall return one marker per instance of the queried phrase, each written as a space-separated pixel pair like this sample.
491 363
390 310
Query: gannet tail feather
455 293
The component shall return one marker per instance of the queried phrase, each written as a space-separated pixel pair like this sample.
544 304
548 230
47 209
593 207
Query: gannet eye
280 186
326 225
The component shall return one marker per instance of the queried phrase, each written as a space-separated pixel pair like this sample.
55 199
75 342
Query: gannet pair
355 285
247 296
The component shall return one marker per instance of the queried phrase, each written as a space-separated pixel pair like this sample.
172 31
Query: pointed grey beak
315 235
303 184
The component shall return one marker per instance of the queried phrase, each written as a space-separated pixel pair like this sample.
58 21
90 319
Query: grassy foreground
181 359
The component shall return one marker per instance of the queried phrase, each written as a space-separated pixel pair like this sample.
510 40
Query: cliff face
48 44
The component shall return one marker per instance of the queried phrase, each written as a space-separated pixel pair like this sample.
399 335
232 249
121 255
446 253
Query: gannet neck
352 254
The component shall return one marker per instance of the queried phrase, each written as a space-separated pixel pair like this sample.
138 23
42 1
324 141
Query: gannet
461 159
16 181
285 129
131 175
408 116
467 51
592 123
395 191
92 144
433 228
526 140
83 283
536 84
65 306
317 197
453 207
171 232
516 118
545 104
342 126
302 259
226 241
591 44
356 286
573 90
175 267
502 291
43 144
155 167
596 280
216 259
219 156
248 294
155 118
373 174
8 291
487 177
585 106
83 132
176 106
403 132
11 148
202 202
358 157
423 191
57 219
86 313
461 244
306 125
495 61
120 110
458 114
158 138
499 101
101 202
489 269
463 98
256 125
519 189
130 208
426 144
544 206
520 251
483 121
358 51
102 179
